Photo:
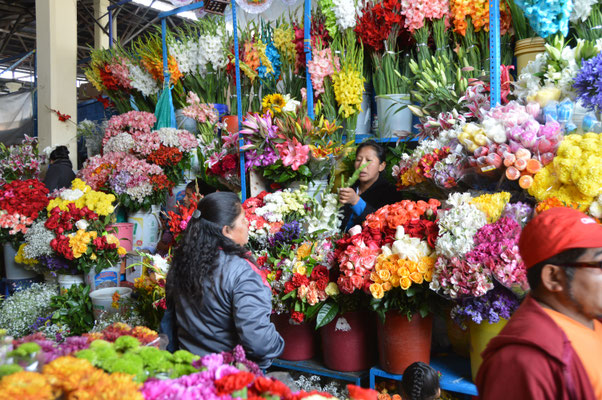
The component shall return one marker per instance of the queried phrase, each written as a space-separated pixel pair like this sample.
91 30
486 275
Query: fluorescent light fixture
163 6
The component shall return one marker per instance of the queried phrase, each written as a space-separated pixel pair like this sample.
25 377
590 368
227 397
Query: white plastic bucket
107 278
179 193
102 299
391 120
147 229
195 168
13 269
364 124
66 281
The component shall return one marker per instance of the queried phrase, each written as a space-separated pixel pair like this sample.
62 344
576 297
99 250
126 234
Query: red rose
318 272
358 393
52 223
234 382
299 280
261 260
345 285
297 316
322 283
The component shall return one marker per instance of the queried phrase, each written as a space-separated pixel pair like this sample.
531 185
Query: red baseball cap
556 230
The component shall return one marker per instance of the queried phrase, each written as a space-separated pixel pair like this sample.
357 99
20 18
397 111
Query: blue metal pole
307 50
241 142
178 10
110 28
164 44
494 52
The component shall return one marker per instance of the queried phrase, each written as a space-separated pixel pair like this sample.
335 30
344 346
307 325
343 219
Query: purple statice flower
40 322
290 231
120 181
499 303
588 83
58 265
520 212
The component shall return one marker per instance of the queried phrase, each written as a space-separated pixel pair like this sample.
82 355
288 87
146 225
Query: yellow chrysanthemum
492 204
304 250
21 259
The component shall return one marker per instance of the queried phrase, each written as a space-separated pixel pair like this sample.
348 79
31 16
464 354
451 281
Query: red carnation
229 162
288 287
358 393
297 316
234 382
322 283
261 260
264 385
299 280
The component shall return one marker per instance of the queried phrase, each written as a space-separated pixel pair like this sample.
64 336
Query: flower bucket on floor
299 339
147 228
13 269
526 50
124 232
402 342
107 278
458 338
347 342
480 335
103 300
231 122
66 281
392 120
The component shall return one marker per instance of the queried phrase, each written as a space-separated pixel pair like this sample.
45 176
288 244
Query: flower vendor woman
372 191
60 172
220 299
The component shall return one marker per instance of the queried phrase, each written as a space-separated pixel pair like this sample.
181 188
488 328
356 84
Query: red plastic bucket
402 342
348 342
124 232
299 340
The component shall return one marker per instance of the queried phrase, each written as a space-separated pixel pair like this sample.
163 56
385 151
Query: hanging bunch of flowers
376 22
20 161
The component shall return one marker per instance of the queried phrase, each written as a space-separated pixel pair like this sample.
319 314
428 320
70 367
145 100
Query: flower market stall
490 113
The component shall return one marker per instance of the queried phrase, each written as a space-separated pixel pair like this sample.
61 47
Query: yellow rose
121 251
332 289
93 256
304 250
405 283
374 277
429 275
403 272
384 274
394 281
377 290
387 286
300 268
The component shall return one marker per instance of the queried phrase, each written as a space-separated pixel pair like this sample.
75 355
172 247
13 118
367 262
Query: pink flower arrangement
416 12
356 255
133 122
121 73
200 112
292 153
15 223
322 65
459 278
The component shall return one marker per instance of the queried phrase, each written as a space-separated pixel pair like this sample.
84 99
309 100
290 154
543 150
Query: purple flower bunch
289 232
499 303
520 212
200 385
588 83
57 265
51 350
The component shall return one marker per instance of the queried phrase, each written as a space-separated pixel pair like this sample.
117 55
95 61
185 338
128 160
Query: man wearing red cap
552 346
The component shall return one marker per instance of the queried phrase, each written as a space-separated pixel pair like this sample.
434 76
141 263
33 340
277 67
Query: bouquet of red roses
20 205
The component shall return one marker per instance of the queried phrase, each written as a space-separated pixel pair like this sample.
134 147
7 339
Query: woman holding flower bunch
372 190
219 297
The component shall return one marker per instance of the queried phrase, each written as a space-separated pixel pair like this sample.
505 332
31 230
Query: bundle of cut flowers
73 236
19 312
21 203
510 140
150 287
135 182
20 162
474 254
575 175
437 161
169 148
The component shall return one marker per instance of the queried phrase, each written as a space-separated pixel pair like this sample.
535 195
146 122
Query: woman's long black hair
197 254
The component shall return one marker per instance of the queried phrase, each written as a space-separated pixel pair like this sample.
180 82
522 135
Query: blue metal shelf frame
316 368
455 374
494 52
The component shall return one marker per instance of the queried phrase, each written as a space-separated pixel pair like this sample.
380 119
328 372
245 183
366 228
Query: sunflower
273 103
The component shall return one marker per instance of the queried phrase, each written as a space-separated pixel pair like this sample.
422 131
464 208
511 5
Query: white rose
82 224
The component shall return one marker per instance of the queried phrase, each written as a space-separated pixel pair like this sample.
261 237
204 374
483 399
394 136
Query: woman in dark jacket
219 297
372 191
60 171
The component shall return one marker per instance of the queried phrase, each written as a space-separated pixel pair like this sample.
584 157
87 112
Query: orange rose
416 277
387 286
374 277
394 281
403 272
